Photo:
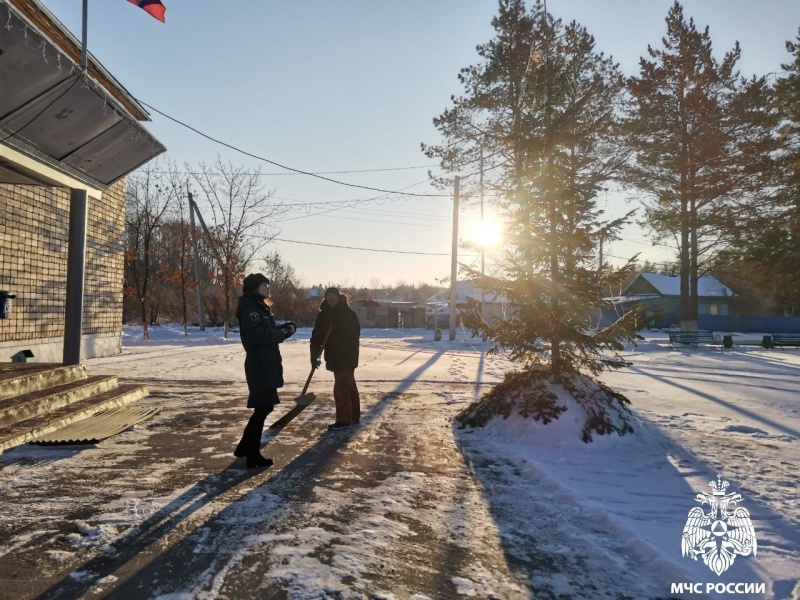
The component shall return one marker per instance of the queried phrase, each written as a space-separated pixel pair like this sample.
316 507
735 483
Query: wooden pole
454 260
201 316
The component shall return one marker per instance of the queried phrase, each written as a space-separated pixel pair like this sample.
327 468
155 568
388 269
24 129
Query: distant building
468 296
388 314
316 292
655 292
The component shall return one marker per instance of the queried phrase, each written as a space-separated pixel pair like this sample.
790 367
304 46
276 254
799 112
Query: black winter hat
332 290
252 281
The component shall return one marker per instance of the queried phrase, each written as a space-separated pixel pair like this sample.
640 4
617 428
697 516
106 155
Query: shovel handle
310 375
305 387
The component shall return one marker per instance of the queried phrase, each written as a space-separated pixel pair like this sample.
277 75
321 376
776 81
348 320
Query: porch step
17 379
23 431
25 406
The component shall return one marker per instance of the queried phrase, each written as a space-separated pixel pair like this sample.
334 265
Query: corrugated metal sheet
50 111
98 427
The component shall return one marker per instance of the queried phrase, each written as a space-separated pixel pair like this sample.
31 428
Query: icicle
44 51
8 24
58 61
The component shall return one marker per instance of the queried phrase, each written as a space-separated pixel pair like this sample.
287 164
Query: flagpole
84 61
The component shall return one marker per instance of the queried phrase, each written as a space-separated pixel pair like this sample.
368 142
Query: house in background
657 292
388 314
468 296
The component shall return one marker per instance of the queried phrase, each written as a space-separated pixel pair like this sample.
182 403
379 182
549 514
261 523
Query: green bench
694 338
786 339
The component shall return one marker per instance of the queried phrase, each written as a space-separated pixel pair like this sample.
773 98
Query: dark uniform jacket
260 338
341 351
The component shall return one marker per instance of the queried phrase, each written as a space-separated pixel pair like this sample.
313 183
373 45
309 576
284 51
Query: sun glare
487 233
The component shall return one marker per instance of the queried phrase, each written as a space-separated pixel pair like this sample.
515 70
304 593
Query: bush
532 394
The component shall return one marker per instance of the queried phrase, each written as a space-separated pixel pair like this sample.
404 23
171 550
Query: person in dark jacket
341 354
262 365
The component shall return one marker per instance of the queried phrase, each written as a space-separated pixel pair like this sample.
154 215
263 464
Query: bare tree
284 284
148 197
375 286
242 219
176 270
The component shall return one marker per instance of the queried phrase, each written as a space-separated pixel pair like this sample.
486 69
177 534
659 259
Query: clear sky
353 85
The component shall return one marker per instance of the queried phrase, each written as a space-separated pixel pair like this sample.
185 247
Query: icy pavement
404 505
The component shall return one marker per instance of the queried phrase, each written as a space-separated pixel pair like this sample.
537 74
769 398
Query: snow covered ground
532 510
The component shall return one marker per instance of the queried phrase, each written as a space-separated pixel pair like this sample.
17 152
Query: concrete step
24 431
40 402
17 379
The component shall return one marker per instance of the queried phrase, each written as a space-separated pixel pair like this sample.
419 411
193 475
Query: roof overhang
58 124
17 168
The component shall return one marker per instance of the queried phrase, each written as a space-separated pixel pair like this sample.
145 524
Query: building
68 137
659 293
469 296
374 313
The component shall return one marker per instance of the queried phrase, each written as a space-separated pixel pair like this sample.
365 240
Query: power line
298 171
643 243
397 213
350 203
378 221
385 213
353 201
314 173
363 249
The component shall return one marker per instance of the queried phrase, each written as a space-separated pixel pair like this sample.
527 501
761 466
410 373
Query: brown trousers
345 394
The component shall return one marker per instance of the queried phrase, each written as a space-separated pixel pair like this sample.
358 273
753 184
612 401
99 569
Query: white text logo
722 532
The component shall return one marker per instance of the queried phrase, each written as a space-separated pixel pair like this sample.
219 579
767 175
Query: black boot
256 460
251 438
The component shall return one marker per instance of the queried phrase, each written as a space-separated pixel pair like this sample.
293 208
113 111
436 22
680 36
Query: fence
723 323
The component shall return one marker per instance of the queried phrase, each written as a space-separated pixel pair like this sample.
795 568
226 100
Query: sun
486 233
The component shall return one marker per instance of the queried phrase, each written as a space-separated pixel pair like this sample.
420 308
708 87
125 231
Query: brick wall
34 231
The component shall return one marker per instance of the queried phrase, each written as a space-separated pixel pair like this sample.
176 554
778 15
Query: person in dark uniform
341 354
262 365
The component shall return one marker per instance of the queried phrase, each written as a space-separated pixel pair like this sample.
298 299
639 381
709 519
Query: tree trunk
693 275
145 332
227 311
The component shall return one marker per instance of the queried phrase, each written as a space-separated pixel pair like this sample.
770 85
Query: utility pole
483 249
454 259
201 318
210 239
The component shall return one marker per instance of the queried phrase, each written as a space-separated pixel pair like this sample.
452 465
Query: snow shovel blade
306 399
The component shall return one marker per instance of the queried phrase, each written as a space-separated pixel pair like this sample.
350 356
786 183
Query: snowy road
389 509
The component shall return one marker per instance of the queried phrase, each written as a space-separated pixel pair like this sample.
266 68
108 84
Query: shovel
305 399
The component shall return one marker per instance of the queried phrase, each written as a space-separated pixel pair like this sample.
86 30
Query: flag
154 7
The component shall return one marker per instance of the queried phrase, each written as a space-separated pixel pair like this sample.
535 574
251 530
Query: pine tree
699 133
542 105
785 252
766 252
